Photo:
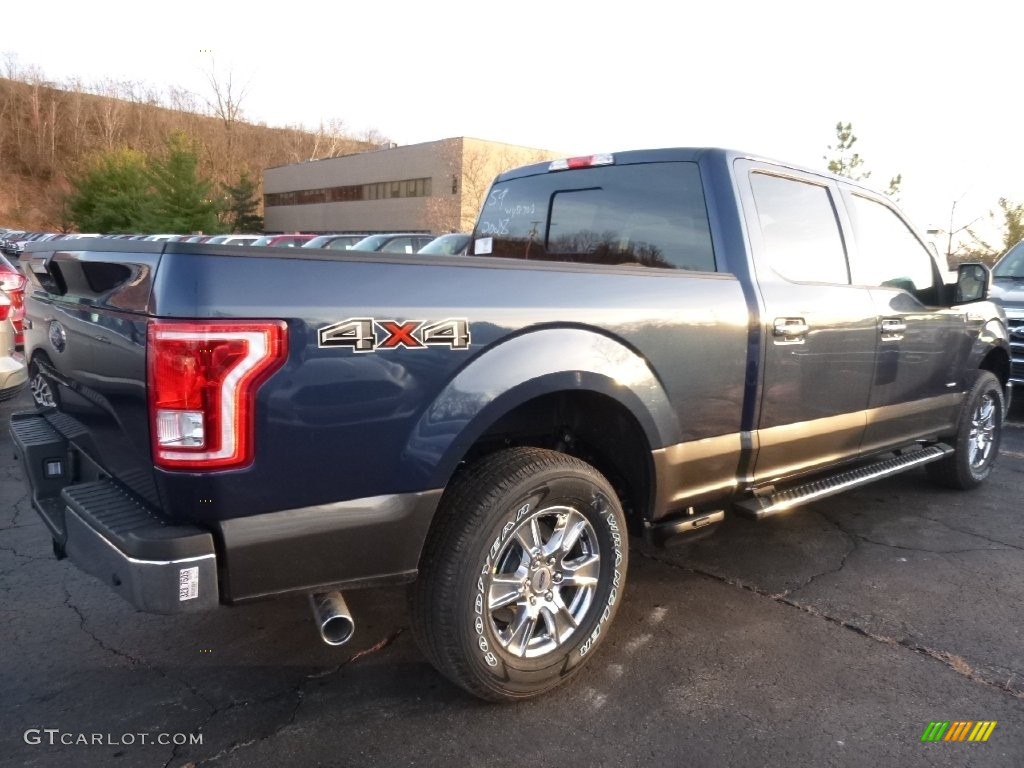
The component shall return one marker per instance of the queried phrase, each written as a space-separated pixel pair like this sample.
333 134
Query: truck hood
1008 292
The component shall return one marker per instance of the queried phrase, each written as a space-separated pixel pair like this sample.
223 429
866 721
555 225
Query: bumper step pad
108 531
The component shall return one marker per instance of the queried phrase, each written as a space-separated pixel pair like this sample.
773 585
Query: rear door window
799 229
650 214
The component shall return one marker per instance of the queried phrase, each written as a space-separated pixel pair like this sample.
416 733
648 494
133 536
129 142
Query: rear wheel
44 393
521 575
976 442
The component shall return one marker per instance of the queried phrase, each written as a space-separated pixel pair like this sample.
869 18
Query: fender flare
993 335
527 366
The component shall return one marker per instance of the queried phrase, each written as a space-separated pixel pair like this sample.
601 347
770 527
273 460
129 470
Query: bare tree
331 140
109 113
481 162
226 106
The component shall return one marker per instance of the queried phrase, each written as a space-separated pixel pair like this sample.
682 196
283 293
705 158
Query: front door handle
791 330
892 328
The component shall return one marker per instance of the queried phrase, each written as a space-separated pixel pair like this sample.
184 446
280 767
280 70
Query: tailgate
85 336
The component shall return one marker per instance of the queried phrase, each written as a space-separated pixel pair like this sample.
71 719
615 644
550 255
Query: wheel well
998 362
590 426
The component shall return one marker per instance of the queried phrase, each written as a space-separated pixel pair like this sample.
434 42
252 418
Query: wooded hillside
48 133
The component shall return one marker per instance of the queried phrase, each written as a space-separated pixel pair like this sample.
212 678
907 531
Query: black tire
477 549
976 441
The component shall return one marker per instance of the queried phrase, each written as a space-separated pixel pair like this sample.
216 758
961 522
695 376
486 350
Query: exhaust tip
337 630
333 618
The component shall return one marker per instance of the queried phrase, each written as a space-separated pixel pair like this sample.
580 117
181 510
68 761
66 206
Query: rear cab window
645 214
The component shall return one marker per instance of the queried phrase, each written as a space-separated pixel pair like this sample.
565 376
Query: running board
770 504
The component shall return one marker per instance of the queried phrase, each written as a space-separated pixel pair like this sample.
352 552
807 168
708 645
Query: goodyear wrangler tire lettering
521 575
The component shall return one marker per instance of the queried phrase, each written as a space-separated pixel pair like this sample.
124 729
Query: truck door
818 331
922 346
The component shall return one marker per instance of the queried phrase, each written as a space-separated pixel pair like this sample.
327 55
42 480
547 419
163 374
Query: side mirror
972 283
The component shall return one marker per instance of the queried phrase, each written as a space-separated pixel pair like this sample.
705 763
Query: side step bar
760 507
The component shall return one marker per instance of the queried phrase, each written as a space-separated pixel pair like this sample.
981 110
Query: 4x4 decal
360 334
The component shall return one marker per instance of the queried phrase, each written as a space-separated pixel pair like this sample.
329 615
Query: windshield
1012 264
344 243
371 243
262 241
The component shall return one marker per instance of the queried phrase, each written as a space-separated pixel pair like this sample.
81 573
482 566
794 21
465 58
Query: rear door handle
791 330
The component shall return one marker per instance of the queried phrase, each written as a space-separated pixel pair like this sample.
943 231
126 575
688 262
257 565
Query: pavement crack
851 539
16 506
19 555
981 536
137 662
954 662
876 542
85 630
299 690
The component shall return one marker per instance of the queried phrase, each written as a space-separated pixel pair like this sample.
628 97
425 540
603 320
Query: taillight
12 282
202 379
5 309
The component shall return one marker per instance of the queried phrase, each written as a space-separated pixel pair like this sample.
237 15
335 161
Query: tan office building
433 187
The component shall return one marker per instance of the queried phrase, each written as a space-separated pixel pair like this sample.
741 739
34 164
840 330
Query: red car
12 282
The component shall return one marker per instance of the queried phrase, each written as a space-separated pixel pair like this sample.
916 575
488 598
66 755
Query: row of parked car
13 370
13 242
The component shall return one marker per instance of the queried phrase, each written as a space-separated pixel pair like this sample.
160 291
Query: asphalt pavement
831 636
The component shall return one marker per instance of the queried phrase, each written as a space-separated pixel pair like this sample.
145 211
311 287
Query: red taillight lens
5 309
202 381
12 282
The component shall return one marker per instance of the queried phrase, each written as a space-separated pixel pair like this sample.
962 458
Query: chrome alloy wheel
983 431
42 394
543 581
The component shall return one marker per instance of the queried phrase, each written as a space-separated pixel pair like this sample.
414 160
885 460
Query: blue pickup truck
638 345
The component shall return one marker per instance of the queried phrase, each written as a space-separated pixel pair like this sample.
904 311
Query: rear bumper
13 374
160 567
109 532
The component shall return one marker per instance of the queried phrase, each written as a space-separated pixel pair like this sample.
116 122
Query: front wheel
522 574
976 442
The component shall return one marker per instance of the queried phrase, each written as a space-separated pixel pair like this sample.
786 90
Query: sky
932 90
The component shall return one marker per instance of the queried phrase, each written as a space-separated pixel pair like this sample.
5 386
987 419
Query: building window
380 190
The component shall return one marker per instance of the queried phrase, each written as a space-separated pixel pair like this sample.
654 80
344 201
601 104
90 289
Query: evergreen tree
242 204
845 162
113 195
184 201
